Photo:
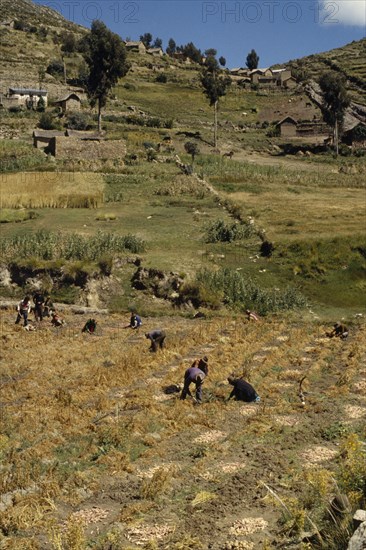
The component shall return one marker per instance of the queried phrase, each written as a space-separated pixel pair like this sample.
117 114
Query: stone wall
73 148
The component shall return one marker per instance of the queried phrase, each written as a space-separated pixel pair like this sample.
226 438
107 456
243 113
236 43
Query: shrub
78 121
352 472
273 131
41 105
161 78
219 231
169 123
55 68
129 86
20 25
153 122
47 122
42 33
15 109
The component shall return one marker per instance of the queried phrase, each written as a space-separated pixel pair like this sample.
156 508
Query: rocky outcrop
358 539
160 284
354 114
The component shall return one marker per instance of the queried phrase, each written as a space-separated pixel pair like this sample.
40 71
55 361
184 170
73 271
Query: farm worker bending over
157 338
338 330
135 321
242 390
252 315
38 300
56 320
196 376
23 308
201 364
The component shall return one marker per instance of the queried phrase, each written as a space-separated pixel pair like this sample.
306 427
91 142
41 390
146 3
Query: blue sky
278 30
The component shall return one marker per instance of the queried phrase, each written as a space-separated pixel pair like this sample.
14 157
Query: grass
16 216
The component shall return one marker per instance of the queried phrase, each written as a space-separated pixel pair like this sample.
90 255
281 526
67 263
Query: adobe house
156 52
355 137
289 83
42 138
27 97
287 126
138 47
257 74
70 102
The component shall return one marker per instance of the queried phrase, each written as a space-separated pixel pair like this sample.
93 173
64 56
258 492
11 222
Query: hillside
349 60
26 50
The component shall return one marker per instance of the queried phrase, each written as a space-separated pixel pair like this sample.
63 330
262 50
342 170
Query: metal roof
27 91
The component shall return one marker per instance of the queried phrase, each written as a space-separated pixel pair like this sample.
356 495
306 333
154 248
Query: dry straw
52 190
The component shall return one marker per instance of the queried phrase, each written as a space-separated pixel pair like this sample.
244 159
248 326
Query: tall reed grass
239 291
46 245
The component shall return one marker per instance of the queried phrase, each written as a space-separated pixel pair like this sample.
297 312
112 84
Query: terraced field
96 451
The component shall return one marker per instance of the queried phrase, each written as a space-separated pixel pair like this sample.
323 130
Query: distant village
58 143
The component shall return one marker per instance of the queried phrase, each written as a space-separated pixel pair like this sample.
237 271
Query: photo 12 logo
121 12
270 12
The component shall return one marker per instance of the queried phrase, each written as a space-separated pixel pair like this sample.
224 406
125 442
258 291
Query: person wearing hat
196 376
242 390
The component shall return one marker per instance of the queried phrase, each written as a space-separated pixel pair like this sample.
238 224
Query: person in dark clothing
339 330
242 390
23 308
196 376
90 326
38 300
135 321
157 338
201 364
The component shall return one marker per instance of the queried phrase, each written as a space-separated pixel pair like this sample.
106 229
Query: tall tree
146 39
192 149
157 43
252 60
172 47
211 52
105 55
222 61
214 86
190 50
335 102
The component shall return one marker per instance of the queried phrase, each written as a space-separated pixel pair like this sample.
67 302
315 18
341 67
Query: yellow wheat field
51 190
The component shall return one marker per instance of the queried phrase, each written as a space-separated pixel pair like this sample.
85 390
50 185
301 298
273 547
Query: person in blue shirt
135 321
